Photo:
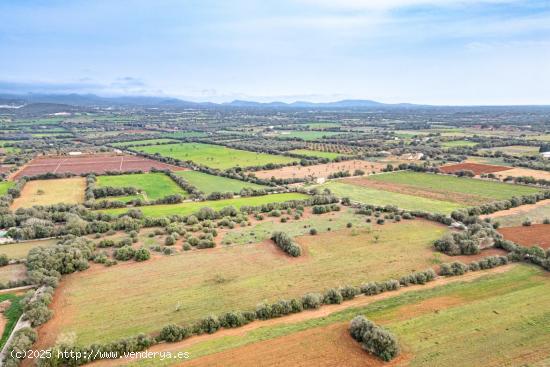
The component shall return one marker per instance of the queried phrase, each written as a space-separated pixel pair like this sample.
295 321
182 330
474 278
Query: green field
515 150
305 135
477 329
458 143
4 186
153 185
143 297
142 142
215 156
372 196
192 207
21 249
316 153
485 190
11 315
210 183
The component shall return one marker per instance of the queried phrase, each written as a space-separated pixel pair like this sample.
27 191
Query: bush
374 338
173 333
142 254
209 324
311 301
286 244
169 241
124 253
332 296
313 231
4 260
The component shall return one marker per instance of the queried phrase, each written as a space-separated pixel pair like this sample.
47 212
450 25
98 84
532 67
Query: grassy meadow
192 207
434 183
215 156
210 183
49 192
460 324
316 153
373 196
190 285
152 185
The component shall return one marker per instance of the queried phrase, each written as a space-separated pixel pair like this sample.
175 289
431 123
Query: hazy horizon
448 52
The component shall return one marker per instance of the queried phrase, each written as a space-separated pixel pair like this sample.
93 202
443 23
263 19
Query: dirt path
517 210
306 315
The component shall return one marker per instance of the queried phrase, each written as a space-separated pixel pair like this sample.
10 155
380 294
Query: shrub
313 231
286 244
209 324
124 253
4 260
173 333
142 254
332 296
374 338
311 301
169 241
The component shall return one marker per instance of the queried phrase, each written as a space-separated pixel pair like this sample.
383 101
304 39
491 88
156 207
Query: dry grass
48 192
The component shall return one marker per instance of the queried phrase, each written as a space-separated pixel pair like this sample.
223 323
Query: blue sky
418 51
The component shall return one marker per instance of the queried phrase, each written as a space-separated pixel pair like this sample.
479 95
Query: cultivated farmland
316 153
462 190
151 185
368 195
210 183
451 309
188 286
320 170
192 207
215 156
97 163
48 192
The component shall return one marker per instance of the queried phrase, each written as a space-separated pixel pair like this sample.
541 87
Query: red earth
94 163
476 168
535 234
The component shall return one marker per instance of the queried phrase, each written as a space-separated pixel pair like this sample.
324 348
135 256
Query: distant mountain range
94 100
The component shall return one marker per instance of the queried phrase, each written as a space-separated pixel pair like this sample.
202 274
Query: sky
445 52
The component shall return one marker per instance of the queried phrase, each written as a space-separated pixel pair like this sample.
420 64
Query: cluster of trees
35 305
470 241
373 338
285 243
321 209
23 340
45 265
126 253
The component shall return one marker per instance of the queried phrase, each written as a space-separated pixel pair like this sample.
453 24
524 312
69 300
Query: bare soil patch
476 168
92 163
323 346
536 234
321 170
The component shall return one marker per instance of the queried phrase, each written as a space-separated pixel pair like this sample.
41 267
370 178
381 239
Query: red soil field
96 163
536 234
476 168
